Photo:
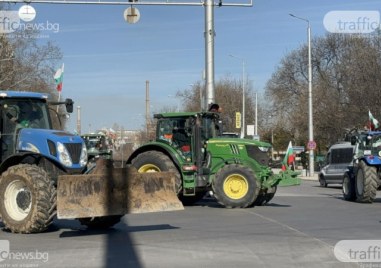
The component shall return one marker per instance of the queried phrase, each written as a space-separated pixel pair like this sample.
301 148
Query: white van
338 158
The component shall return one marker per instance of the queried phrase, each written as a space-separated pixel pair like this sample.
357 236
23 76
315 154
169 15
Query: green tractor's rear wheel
155 161
235 186
27 199
366 183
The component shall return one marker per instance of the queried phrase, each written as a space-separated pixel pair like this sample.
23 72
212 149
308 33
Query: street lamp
311 143
243 95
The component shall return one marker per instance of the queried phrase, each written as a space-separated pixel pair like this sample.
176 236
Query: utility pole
79 120
209 52
147 108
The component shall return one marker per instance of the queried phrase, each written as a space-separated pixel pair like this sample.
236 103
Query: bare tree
28 64
228 92
346 81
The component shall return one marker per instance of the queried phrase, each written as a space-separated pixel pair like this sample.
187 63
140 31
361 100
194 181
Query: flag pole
59 99
58 77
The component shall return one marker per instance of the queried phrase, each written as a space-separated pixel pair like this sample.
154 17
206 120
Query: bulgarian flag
289 158
58 78
373 122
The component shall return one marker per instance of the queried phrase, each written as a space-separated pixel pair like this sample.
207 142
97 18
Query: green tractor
189 144
97 147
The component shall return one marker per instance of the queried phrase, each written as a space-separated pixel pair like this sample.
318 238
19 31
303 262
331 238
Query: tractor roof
181 114
23 94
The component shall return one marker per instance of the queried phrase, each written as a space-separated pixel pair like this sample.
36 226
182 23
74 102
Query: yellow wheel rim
236 186
149 168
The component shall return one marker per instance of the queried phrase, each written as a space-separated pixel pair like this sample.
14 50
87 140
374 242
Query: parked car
338 158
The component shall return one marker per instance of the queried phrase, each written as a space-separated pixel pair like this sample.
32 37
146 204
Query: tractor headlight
83 159
63 155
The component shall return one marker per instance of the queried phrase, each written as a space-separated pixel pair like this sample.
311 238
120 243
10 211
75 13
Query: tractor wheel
191 200
154 161
270 194
322 181
264 198
28 199
235 186
366 183
100 222
349 191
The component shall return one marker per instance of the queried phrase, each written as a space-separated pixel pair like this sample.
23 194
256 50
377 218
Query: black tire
349 191
260 200
322 181
235 186
101 222
270 194
191 200
264 198
366 183
154 161
28 199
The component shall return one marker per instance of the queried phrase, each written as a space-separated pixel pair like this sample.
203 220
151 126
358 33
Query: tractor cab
27 133
19 113
368 143
187 132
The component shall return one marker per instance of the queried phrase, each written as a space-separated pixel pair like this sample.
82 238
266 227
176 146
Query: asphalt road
299 228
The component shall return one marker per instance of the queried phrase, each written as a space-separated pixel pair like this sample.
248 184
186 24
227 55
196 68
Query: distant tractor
97 146
362 178
235 170
43 173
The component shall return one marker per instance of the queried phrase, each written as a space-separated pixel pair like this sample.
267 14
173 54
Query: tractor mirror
69 105
219 128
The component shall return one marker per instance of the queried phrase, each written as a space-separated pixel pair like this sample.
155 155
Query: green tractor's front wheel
235 186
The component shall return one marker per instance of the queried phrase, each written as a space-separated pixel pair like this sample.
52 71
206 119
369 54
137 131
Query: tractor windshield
375 144
26 113
209 128
174 131
370 144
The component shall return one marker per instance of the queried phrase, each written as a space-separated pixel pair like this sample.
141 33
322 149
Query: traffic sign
311 145
237 120
131 15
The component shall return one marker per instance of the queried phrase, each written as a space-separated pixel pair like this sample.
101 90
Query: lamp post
311 142
243 95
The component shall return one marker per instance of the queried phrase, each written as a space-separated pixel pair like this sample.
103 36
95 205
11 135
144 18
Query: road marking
292 229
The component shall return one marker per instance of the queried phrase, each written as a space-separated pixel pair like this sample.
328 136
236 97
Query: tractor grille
74 150
261 157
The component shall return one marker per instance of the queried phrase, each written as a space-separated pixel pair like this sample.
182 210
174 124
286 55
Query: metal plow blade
115 191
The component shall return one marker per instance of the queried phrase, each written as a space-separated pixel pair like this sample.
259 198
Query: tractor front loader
44 173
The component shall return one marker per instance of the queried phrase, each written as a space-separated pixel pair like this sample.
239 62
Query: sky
108 61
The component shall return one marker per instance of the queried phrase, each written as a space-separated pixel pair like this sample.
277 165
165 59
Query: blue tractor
362 179
43 173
